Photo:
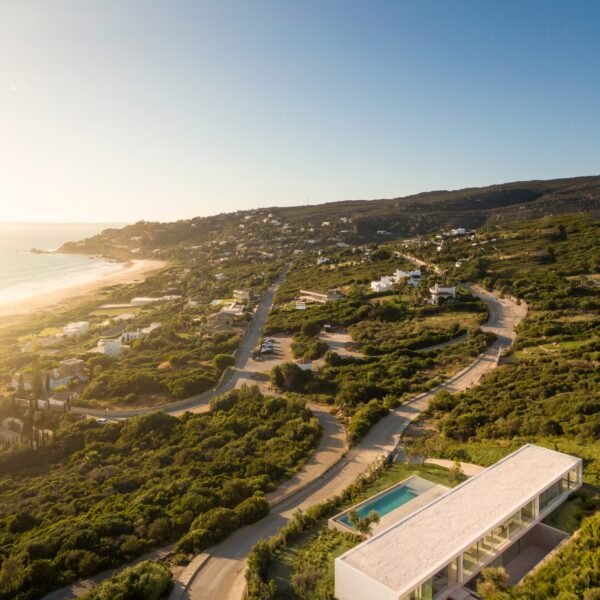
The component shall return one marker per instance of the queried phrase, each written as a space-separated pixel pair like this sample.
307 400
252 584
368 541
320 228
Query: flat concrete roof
422 543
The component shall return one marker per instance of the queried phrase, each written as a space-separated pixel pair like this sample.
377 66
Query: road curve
221 576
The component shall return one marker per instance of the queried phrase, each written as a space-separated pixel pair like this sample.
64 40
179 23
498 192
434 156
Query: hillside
355 221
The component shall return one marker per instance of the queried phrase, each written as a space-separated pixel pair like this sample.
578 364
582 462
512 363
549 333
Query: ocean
25 274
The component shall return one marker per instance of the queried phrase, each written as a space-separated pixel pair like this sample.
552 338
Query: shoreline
133 271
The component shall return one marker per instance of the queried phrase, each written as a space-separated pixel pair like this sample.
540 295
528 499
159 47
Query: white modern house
412 277
242 295
386 283
493 518
74 329
321 298
110 346
441 292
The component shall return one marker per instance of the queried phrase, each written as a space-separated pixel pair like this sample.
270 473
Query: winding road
218 574
221 574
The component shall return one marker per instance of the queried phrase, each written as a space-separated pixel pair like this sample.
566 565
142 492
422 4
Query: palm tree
363 524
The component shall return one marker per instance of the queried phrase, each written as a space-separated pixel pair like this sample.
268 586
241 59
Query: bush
364 418
222 361
252 509
311 329
149 580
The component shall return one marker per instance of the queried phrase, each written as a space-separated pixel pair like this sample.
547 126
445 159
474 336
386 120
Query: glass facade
492 544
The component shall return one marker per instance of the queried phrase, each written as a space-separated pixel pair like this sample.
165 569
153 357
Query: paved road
244 352
221 577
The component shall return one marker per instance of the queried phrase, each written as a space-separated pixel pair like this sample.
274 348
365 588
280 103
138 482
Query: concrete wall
351 584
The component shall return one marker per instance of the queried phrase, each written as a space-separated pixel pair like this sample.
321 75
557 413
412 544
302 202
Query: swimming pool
384 503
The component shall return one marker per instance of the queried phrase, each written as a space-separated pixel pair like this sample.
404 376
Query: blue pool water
385 503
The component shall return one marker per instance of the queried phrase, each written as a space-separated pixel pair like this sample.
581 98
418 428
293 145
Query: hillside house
412 277
437 551
385 284
75 329
440 293
220 319
22 379
110 346
73 367
322 298
243 295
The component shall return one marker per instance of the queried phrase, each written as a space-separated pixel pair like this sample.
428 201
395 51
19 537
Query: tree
400 287
21 386
456 474
37 384
363 524
311 328
222 361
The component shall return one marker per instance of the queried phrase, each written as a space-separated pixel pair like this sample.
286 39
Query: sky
121 110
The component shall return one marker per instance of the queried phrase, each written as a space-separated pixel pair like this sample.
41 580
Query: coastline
133 271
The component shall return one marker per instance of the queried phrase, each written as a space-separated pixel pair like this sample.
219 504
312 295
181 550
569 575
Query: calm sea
24 274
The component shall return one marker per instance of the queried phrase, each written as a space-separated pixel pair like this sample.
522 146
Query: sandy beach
133 271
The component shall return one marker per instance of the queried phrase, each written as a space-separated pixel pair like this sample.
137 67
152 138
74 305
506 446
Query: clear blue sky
118 110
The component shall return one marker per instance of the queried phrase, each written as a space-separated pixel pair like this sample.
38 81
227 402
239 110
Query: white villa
386 283
243 295
493 518
145 300
439 292
110 346
329 296
130 336
74 329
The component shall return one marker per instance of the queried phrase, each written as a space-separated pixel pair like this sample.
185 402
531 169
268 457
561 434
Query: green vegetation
547 389
348 270
308 348
424 326
573 574
96 496
297 563
99 495
148 580
363 524
286 319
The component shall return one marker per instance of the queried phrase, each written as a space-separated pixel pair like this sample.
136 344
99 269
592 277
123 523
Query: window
445 579
423 592
574 480
549 495
528 512
471 560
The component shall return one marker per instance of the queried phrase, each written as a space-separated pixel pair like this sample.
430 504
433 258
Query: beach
133 271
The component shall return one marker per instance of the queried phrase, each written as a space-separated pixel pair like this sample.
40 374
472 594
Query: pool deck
411 506
427 491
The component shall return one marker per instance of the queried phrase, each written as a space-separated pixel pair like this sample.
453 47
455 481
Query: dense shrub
148 580
364 418
100 494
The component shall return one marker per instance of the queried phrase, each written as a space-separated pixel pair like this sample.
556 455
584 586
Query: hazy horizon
118 112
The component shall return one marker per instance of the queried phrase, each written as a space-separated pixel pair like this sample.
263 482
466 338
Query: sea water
25 274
